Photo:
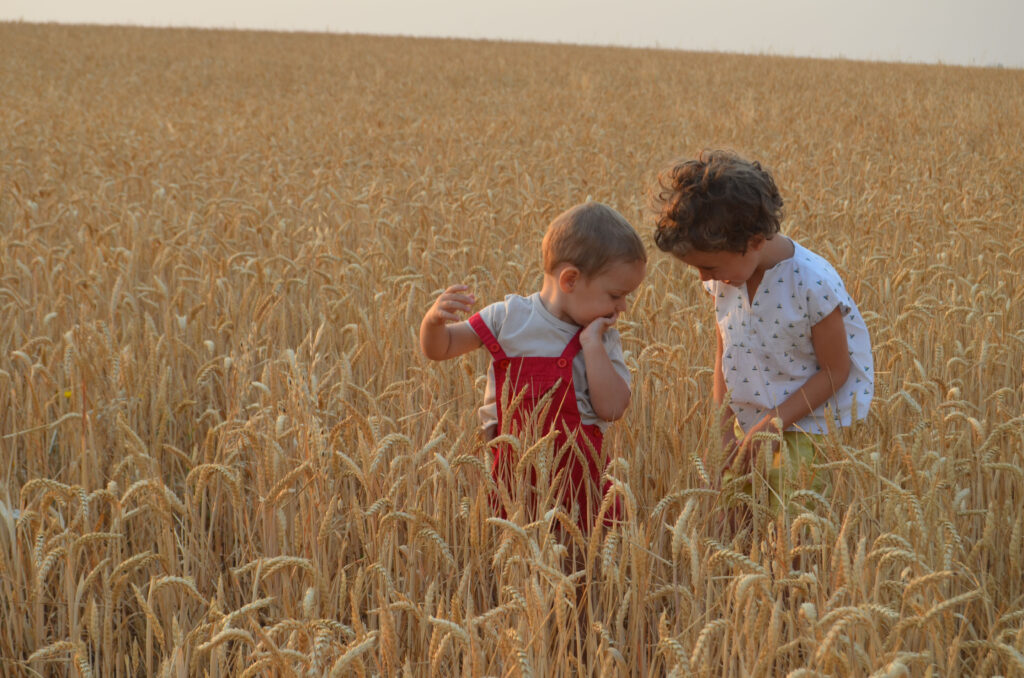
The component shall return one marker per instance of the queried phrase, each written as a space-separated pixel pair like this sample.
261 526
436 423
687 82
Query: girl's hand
454 300
769 424
731 445
594 332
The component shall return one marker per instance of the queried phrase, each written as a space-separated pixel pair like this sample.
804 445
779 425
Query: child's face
604 295
733 268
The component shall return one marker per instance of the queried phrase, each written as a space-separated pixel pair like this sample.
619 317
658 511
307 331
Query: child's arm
829 340
718 392
440 340
609 392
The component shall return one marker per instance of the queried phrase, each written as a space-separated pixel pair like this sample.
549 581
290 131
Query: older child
557 358
793 351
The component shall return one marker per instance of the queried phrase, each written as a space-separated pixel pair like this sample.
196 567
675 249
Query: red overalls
536 376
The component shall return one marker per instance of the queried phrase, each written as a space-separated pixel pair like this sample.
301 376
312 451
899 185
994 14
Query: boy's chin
588 320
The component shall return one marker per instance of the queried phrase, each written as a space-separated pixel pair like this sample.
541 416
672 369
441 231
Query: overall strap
573 347
482 331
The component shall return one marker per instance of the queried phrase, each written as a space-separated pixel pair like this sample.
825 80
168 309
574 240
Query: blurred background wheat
223 454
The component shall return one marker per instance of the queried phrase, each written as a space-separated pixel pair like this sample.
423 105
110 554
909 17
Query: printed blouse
767 352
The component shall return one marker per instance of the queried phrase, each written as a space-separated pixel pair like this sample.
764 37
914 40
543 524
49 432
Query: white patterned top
767 352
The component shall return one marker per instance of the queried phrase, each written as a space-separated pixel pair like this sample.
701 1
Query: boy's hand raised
442 335
446 308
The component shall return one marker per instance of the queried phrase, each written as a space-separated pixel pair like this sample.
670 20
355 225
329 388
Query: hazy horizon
984 33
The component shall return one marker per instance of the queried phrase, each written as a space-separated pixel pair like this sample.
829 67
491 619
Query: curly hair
715 203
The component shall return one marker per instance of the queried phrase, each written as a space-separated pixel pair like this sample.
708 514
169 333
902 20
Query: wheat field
224 455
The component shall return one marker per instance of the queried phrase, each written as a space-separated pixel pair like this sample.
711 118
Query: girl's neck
776 250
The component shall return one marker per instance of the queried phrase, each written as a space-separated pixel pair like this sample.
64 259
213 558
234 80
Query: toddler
556 356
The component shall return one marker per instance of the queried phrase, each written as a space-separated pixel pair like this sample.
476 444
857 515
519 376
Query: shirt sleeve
494 315
825 291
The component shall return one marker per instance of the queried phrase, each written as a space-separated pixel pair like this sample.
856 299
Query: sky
962 32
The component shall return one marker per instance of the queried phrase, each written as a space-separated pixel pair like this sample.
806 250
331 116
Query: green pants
802 452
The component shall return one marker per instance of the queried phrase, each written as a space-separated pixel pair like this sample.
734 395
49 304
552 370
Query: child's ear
756 242
567 278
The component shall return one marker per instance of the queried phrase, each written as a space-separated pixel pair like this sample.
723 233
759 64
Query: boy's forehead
626 274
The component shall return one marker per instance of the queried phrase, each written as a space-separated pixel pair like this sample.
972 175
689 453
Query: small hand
713 475
596 329
454 300
768 424
733 450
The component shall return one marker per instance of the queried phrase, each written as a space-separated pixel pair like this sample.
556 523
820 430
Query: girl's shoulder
810 259
806 265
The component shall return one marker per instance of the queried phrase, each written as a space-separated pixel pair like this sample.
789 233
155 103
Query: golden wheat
224 454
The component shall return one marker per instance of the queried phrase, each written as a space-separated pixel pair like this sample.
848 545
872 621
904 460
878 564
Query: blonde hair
590 236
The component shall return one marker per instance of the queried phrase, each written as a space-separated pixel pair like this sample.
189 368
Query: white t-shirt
523 327
767 352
